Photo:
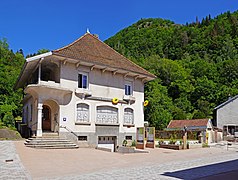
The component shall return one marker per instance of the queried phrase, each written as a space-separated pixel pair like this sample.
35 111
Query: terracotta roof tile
90 49
175 124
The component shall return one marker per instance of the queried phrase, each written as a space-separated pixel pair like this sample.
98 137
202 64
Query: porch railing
68 129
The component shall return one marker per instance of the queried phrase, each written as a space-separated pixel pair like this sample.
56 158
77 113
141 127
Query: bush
204 145
161 142
2 125
172 141
8 120
133 143
124 143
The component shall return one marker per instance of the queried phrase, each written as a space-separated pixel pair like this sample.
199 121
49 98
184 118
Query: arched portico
48 98
50 119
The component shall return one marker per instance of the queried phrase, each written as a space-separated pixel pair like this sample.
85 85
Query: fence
176 134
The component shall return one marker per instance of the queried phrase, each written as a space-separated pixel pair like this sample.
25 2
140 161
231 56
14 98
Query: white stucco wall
228 114
29 113
101 84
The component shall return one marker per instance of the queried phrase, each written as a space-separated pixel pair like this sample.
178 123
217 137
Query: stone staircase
50 141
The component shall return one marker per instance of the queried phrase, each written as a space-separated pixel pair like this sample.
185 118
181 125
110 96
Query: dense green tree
10 100
228 71
40 51
158 111
196 64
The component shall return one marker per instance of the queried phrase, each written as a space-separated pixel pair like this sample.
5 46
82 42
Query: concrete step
47 140
56 146
50 143
48 135
43 143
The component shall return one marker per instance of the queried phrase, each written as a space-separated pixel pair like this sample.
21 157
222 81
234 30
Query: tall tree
10 100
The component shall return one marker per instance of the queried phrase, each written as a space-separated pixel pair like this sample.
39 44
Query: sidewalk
10 164
87 163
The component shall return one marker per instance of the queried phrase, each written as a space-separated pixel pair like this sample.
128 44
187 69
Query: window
107 115
128 137
82 113
128 88
83 81
82 138
128 116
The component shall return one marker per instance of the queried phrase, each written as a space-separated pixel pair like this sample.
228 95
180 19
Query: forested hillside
10 100
10 66
196 64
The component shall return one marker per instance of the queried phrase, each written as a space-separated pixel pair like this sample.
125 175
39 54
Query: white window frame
109 115
127 85
82 112
87 83
128 116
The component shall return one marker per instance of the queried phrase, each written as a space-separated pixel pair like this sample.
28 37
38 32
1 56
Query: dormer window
83 80
128 88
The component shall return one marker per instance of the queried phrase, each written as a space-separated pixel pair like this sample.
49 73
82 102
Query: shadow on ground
206 171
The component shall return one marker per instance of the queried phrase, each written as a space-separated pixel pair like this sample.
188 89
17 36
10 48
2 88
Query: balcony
46 74
129 98
50 84
83 92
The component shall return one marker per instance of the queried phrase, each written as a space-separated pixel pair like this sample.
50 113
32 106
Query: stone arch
54 114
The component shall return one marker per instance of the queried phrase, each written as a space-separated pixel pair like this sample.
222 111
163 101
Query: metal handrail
69 130
33 124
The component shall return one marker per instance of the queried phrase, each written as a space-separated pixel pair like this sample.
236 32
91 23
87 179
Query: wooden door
46 118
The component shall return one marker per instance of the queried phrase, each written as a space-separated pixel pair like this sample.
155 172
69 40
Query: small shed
202 126
193 124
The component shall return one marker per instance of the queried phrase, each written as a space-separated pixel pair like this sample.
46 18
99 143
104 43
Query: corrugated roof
176 124
90 49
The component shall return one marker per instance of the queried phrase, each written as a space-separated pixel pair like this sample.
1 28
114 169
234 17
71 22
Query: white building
226 116
70 91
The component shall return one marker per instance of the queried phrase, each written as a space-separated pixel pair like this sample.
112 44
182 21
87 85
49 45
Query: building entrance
46 118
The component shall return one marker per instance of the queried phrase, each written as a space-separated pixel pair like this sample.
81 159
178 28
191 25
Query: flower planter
171 146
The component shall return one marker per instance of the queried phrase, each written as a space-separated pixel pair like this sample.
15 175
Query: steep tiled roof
90 49
179 124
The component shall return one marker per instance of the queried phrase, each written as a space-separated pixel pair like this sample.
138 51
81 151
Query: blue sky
35 24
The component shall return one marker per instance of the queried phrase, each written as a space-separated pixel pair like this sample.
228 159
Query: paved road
94 164
195 169
10 164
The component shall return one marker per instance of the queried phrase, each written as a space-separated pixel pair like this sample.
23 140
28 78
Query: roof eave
147 77
28 60
39 56
16 86
226 102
